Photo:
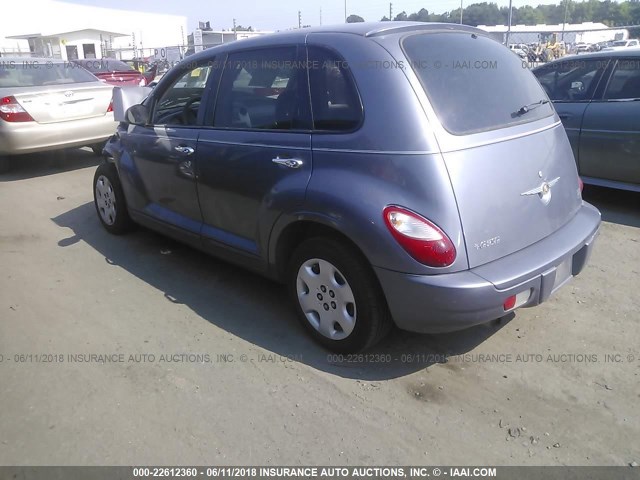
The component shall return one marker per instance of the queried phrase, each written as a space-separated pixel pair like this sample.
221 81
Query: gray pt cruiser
395 173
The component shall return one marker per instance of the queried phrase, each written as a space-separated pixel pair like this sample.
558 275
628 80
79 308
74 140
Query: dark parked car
114 72
597 96
394 172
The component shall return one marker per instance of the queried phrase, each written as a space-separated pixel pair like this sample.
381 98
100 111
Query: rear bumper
449 302
29 137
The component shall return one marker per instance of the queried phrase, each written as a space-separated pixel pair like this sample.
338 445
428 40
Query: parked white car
621 44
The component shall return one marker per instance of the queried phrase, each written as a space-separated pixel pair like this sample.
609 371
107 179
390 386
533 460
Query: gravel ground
205 363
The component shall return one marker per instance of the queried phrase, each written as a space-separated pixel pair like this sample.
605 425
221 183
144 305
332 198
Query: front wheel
336 295
109 200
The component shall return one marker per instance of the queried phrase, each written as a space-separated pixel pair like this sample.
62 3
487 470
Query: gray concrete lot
554 385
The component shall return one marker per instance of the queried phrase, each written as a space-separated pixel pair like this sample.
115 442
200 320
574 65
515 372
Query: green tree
421 16
355 19
401 17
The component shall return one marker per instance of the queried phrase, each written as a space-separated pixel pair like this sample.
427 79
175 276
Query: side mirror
579 86
138 115
125 98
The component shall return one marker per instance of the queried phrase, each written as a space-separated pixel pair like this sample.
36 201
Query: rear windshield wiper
526 108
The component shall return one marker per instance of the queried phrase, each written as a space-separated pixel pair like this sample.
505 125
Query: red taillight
423 240
12 111
580 184
110 107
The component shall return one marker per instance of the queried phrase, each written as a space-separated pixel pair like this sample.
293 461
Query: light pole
345 11
509 26
461 12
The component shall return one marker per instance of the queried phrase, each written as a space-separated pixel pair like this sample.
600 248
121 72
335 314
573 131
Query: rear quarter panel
392 159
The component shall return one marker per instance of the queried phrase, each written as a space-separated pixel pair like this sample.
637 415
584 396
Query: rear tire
5 164
109 200
336 296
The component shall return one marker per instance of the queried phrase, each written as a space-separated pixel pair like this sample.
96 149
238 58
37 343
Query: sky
283 14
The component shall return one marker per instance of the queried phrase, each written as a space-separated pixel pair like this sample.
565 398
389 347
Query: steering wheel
189 117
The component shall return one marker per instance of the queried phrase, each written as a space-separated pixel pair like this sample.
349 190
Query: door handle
288 162
183 149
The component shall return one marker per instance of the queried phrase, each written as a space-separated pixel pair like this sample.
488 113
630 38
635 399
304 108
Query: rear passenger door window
625 81
261 90
571 80
335 103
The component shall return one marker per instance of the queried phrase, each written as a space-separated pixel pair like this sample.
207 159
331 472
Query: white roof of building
544 28
62 34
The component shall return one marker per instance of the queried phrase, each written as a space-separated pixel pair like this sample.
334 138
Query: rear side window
625 81
36 74
473 82
334 99
571 80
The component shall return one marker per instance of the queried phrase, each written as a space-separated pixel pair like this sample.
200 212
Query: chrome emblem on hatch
68 93
543 191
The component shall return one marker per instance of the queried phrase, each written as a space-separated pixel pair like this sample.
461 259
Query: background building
204 37
80 44
49 26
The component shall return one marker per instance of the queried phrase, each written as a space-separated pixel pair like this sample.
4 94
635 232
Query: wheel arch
291 232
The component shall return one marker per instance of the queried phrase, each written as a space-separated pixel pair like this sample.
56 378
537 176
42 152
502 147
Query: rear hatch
509 160
56 92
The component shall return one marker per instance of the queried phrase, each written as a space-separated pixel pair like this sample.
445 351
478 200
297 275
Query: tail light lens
423 240
580 184
110 107
12 111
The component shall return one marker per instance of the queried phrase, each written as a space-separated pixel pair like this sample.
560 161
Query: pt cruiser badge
544 191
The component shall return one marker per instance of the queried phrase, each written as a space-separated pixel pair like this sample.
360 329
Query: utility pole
299 19
320 15
461 12
345 11
235 33
390 11
566 12
510 17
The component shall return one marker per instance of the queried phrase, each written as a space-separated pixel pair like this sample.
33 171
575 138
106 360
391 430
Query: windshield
473 82
105 65
34 74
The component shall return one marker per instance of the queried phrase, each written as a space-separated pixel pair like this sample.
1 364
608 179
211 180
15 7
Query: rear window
473 82
39 74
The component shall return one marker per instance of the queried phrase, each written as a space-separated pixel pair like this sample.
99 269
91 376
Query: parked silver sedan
597 97
49 104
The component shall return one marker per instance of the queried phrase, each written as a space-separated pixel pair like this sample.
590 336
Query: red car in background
115 72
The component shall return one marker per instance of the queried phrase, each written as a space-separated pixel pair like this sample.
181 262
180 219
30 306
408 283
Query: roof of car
362 29
373 29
